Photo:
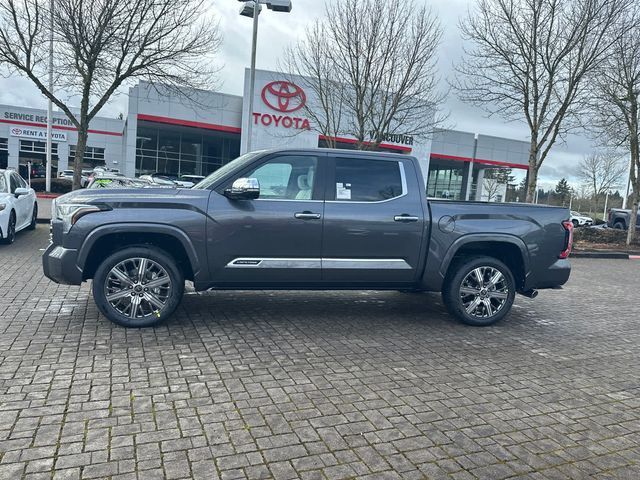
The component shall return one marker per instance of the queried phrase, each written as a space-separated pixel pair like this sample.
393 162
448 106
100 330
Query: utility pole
606 201
50 106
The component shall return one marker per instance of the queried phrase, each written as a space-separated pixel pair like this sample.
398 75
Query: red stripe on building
442 156
188 123
353 141
57 127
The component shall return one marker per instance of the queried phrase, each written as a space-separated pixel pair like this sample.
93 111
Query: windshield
3 184
238 164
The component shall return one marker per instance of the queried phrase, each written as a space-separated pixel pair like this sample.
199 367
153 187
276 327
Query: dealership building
195 132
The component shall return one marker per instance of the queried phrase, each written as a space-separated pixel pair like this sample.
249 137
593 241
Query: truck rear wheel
479 291
138 287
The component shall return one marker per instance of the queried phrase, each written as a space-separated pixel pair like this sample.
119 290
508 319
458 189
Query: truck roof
337 151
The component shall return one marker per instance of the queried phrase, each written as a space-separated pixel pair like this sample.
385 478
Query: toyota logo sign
283 96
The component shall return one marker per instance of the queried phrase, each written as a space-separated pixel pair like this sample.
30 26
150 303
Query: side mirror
244 189
21 191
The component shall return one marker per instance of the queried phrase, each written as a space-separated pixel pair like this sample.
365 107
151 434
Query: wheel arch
510 250
621 220
107 239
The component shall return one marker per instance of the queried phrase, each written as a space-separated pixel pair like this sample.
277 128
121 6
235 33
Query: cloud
278 30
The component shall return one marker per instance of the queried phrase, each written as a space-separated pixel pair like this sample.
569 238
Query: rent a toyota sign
37 134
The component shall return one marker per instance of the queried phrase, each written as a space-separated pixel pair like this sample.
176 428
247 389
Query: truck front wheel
479 291
138 286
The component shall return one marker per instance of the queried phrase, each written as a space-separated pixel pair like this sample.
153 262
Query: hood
106 195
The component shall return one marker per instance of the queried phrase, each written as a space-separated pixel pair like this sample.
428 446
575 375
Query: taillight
568 242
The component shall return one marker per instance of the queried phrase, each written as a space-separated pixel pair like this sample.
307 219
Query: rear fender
436 271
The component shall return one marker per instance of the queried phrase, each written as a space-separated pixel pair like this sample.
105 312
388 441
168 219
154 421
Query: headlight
70 213
3 206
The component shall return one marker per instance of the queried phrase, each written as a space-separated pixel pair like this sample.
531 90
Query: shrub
600 235
58 185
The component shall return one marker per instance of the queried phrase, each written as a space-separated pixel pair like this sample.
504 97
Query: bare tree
101 44
494 180
616 101
372 67
527 61
602 171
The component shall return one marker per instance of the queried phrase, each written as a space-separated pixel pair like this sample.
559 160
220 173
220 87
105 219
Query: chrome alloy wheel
138 288
484 291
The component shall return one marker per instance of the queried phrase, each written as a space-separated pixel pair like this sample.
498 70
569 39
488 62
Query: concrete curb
610 255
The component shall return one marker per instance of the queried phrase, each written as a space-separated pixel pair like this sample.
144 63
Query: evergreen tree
563 190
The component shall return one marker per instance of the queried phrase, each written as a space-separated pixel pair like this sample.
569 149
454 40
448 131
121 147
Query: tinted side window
361 180
21 181
288 177
13 182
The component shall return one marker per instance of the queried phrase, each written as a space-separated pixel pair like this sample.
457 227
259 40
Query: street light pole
247 11
50 106
252 75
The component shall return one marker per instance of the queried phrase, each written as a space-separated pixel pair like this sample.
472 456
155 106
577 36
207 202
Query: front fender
128 228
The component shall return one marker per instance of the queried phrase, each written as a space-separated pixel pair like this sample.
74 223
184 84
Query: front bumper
4 221
60 265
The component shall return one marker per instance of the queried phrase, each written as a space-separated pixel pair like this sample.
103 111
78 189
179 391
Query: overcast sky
277 30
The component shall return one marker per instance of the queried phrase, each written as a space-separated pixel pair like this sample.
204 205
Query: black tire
457 278
575 223
171 296
11 230
34 217
619 226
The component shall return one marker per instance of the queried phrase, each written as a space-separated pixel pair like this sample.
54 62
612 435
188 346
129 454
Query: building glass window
93 156
4 152
34 152
182 150
444 182
33 146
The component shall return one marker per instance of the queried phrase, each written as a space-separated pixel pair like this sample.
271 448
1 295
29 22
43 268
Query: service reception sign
37 134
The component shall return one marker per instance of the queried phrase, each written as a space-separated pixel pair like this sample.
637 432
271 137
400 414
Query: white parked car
18 206
580 220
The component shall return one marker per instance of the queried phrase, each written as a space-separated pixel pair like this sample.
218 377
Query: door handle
307 216
404 218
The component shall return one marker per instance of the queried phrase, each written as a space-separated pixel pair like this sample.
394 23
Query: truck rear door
373 220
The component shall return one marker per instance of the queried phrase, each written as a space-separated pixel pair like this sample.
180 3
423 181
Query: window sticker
343 191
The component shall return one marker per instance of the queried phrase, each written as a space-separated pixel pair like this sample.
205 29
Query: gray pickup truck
304 219
620 219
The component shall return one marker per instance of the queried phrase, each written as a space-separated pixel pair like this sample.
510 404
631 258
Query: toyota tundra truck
304 219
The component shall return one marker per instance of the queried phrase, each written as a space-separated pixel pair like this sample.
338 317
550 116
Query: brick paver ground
318 385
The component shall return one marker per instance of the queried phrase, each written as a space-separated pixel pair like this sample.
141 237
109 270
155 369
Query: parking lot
319 384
